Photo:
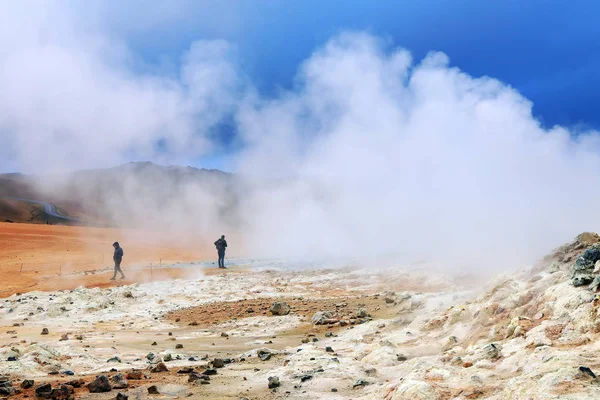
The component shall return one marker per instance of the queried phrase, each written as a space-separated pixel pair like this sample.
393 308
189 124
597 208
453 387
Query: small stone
160 367
121 396
193 323
305 378
224 334
134 375
76 383
179 346
329 349
168 357
360 383
280 308
210 371
153 390
154 344
64 337
468 364
114 359
45 331
274 382
150 356
334 390
264 354
218 363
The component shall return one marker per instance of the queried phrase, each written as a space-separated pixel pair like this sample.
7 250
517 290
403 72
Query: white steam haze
370 155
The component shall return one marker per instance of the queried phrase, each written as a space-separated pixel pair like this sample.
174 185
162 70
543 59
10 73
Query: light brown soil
51 257
215 313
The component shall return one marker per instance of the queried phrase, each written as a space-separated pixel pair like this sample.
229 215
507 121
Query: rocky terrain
303 333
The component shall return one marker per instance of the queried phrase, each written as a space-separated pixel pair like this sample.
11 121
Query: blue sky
548 50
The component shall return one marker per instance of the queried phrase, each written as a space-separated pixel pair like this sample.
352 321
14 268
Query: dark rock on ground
43 391
119 382
76 383
27 383
99 385
160 367
135 375
274 382
153 390
264 354
280 308
218 363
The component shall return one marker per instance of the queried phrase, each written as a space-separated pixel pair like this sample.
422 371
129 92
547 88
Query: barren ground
351 332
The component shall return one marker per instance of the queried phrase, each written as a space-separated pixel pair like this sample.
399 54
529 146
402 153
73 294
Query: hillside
121 196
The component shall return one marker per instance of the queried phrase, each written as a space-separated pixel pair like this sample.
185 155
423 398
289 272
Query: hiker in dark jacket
117 258
221 245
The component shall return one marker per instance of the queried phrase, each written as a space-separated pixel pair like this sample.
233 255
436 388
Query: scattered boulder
134 375
274 382
43 391
45 331
210 371
168 357
27 383
280 308
160 367
218 363
195 377
63 392
113 360
119 382
99 385
121 396
153 389
179 346
329 349
76 383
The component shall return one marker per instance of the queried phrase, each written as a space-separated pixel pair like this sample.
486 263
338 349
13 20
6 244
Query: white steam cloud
370 155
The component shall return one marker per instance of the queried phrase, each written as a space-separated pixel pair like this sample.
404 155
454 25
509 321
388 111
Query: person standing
117 258
221 245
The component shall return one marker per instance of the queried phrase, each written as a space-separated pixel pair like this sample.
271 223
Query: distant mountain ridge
115 195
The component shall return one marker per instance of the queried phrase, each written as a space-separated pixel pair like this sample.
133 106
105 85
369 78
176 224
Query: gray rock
121 396
320 317
160 367
264 354
583 268
119 382
280 308
274 382
218 363
359 383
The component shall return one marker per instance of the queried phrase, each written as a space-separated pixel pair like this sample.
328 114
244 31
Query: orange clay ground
39 257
